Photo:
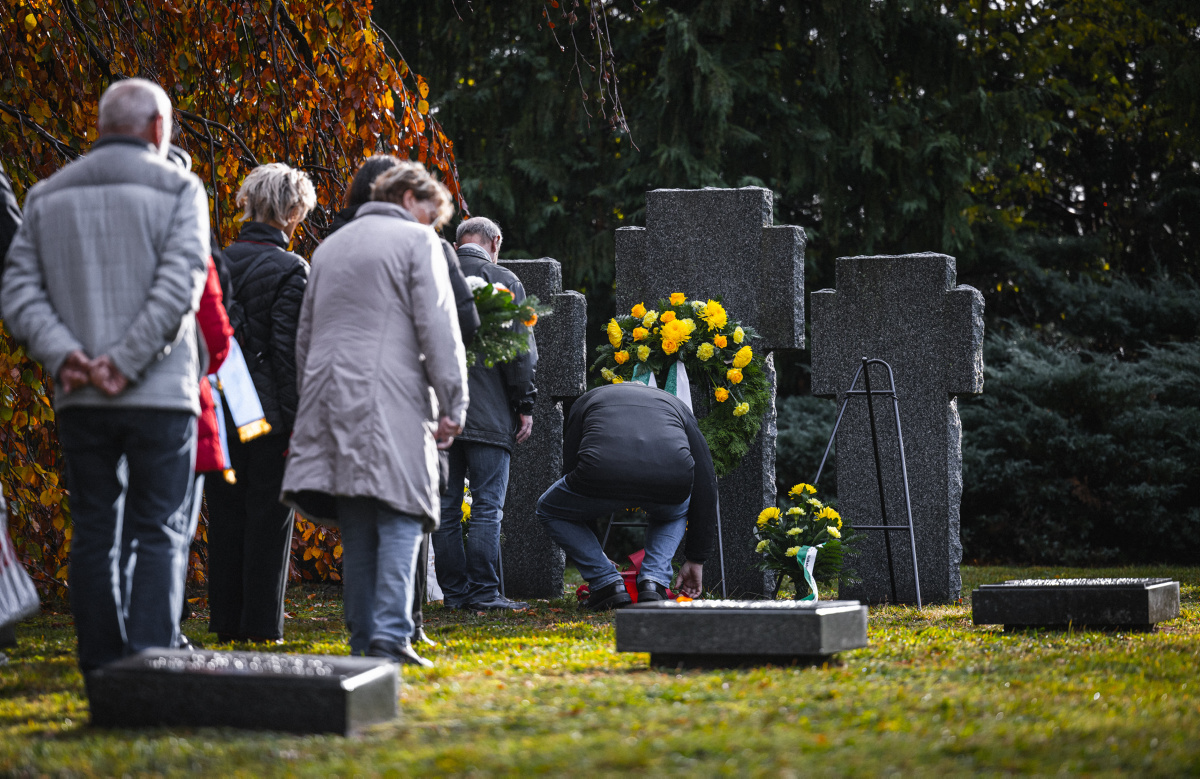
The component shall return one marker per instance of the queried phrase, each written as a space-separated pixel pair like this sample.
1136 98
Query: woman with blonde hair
383 376
249 530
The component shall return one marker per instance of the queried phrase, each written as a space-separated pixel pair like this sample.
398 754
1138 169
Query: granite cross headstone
721 242
533 564
908 311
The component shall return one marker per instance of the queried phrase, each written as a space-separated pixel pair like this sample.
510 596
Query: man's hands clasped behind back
79 371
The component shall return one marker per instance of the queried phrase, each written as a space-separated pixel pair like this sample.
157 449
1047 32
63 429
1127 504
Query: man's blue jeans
565 514
471 574
379 562
146 509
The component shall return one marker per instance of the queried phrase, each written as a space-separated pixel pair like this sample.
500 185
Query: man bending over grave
625 446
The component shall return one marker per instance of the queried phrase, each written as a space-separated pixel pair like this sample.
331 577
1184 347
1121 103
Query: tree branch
188 115
66 151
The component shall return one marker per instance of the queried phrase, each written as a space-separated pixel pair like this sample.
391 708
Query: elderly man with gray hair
499 417
103 281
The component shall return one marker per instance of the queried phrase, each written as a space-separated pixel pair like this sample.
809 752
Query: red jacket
214 325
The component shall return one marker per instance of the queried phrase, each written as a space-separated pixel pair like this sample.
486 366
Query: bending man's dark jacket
500 393
268 283
464 301
642 444
10 215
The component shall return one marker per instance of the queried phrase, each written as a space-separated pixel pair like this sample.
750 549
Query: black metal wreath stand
865 372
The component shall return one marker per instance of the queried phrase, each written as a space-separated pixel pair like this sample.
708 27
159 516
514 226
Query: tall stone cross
533 564
908 311
721 242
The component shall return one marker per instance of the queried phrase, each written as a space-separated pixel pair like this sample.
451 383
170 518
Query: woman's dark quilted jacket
268 284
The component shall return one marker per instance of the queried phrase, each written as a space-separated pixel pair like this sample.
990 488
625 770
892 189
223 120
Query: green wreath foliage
504 325
718 356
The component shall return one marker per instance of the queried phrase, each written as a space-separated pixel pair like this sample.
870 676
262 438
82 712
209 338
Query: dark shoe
649 591
398 652
614 596
499 603
421 637
228 638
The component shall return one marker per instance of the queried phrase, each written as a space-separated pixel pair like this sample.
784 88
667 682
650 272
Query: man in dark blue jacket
499 417
625 446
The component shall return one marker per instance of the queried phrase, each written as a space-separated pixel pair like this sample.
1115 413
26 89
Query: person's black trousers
249 541
129 471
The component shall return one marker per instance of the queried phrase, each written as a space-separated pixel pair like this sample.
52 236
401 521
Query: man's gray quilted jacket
112 259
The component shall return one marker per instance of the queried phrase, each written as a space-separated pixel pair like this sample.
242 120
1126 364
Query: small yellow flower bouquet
718 356
805 542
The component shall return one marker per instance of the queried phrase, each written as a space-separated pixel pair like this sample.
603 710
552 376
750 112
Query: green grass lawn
543 691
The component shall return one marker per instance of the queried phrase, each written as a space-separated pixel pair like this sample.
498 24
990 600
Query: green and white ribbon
642 373
677 381
810 559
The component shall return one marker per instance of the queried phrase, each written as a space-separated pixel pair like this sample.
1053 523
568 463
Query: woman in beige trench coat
383 376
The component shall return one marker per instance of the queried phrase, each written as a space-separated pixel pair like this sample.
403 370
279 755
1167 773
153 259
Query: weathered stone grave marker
908 311
1126 604
723 633
721 242
261 691
533 564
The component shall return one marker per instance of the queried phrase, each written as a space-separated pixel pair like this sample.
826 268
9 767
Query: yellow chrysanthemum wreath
718 356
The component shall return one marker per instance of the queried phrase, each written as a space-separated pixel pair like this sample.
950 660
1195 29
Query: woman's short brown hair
391 185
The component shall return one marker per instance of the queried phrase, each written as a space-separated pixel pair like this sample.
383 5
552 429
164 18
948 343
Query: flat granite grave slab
1125 604
726 633
259 691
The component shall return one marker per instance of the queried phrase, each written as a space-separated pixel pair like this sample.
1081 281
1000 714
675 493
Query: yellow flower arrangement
695 333
714 315
617 380
768 516
614 333
785 543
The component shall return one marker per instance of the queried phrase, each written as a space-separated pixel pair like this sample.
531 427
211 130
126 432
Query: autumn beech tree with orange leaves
306 82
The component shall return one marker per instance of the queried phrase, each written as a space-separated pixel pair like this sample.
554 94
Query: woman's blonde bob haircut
394 182
274 193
